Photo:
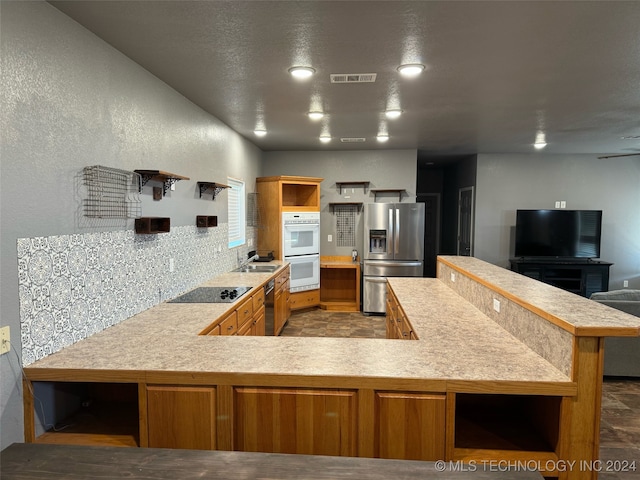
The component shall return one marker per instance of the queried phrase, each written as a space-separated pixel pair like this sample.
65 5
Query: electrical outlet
172 265
329 238
563 204
557 204
496 305
453 277
5 340
625 283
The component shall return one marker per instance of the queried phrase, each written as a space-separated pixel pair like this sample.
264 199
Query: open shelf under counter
339 284
107 415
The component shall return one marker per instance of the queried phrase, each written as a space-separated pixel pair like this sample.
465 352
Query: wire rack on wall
253 212
111 193
345 225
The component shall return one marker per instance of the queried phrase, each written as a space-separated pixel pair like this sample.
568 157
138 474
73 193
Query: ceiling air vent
353 77
352 139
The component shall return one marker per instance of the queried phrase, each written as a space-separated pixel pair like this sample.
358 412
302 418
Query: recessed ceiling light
411 69
541 141
315 115
383 137
260 133
301 72
325 138
393 113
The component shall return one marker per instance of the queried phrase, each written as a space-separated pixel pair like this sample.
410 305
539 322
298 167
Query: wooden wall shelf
332 205
398 191
215 188
167 179
364 185
206 221
150 225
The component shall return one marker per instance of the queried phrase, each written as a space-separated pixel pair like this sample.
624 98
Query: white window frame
237 212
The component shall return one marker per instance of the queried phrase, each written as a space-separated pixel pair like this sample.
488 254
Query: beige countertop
571 312
460 353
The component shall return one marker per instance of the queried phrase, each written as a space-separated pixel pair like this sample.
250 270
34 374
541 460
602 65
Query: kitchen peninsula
503 367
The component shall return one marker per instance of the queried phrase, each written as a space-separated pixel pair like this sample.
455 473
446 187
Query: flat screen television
558 233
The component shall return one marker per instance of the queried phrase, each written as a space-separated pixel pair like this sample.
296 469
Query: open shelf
107 416
206 221
151 225
300 195
398 191
332 205
167 179
507 423
339 284
363 184
214 187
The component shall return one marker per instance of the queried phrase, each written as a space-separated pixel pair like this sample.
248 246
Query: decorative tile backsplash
72 286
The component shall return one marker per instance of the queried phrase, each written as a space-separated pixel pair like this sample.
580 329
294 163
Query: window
236 211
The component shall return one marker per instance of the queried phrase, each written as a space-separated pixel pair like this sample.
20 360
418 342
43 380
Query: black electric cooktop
211 295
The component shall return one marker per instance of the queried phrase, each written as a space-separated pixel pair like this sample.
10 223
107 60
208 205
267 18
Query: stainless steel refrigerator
393 247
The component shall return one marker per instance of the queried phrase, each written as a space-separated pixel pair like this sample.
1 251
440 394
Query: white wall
506 183
69 100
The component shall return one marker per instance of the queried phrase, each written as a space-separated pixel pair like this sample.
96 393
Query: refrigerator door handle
391 238
396 237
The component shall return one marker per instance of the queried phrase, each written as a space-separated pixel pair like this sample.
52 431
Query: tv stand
579 276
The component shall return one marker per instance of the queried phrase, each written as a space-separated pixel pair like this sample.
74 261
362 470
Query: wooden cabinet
397 323
303 421
229 324
410 426
245 312
339 284
247 319
283 194
281 309
306 299
258 323
181 417
582 278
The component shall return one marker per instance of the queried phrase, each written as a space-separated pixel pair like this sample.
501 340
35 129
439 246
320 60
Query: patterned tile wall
72 286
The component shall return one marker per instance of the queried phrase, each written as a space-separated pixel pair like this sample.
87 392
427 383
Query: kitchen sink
258 268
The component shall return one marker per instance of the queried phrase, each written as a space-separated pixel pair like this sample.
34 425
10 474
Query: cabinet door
280 310
410 426
314 422
259 323
181 417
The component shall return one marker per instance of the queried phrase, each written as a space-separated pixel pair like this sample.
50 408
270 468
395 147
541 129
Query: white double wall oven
301 248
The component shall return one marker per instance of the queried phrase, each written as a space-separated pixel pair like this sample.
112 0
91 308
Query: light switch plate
453 277
5 340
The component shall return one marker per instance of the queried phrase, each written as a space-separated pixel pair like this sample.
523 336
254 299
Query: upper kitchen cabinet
283 194
290 194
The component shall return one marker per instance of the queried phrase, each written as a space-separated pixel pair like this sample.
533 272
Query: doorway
465 221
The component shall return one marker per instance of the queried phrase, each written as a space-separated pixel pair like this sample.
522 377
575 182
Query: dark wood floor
620 421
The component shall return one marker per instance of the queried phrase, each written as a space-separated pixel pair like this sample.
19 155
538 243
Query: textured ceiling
497 72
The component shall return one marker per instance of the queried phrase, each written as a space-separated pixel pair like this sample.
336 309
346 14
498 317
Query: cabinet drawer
215 330
229 325
281 279
245 329
258 299
306 299
245 311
